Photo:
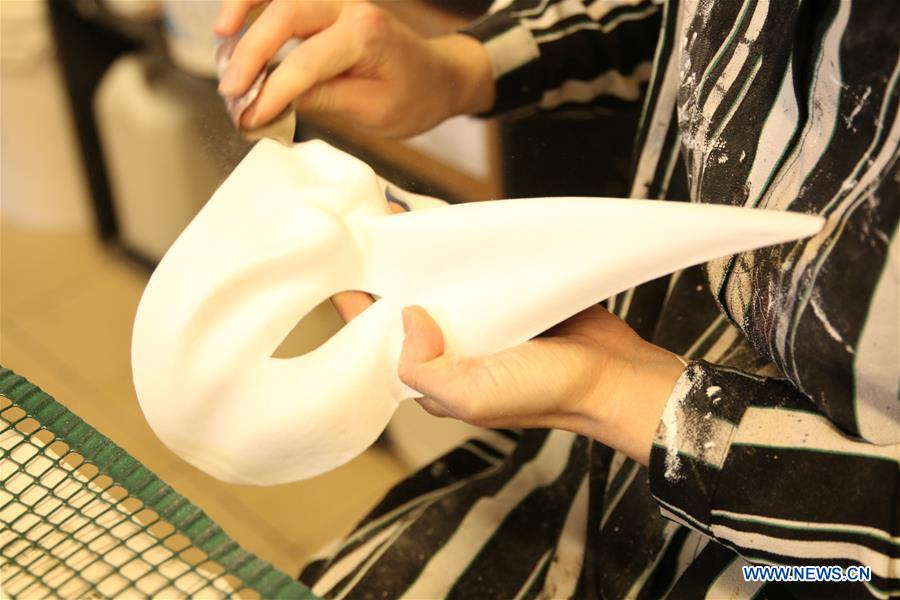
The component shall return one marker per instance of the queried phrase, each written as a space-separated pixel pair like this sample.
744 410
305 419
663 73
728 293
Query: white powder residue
670 421
722 159
859 105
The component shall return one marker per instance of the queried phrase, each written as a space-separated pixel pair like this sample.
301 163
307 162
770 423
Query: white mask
292 226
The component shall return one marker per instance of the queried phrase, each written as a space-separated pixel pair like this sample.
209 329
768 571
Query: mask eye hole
315 328
392 197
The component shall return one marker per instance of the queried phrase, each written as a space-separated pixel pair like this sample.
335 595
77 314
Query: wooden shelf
419 165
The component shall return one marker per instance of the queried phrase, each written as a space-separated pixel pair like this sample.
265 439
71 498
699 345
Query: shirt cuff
512 51
692 441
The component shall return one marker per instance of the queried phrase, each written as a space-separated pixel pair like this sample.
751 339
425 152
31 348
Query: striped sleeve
555 55
751 462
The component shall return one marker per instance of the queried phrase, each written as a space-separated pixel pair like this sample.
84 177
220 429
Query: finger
350 304
422 365
395 207
232 14
338 95
370 105
361 102
423 340
433 408
317 59
264 38
281 21
475 389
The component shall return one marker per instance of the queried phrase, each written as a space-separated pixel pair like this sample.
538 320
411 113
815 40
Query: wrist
468 69
625 415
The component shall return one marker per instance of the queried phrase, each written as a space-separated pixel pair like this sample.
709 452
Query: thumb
423 340
422 364
451 384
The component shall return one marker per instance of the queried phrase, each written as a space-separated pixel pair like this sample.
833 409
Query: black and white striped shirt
781 441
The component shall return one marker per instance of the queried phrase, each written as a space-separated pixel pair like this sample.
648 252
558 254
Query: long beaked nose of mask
292 226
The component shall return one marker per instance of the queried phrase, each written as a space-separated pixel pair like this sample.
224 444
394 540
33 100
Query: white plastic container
135 10
43 182
188 28
160 164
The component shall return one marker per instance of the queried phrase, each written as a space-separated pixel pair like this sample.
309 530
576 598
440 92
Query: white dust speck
817 309
713 390
722 159
709 445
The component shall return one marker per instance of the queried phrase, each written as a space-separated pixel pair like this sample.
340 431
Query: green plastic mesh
81 518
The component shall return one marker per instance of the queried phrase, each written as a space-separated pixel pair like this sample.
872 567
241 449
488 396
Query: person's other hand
349 304
591 374
356 62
